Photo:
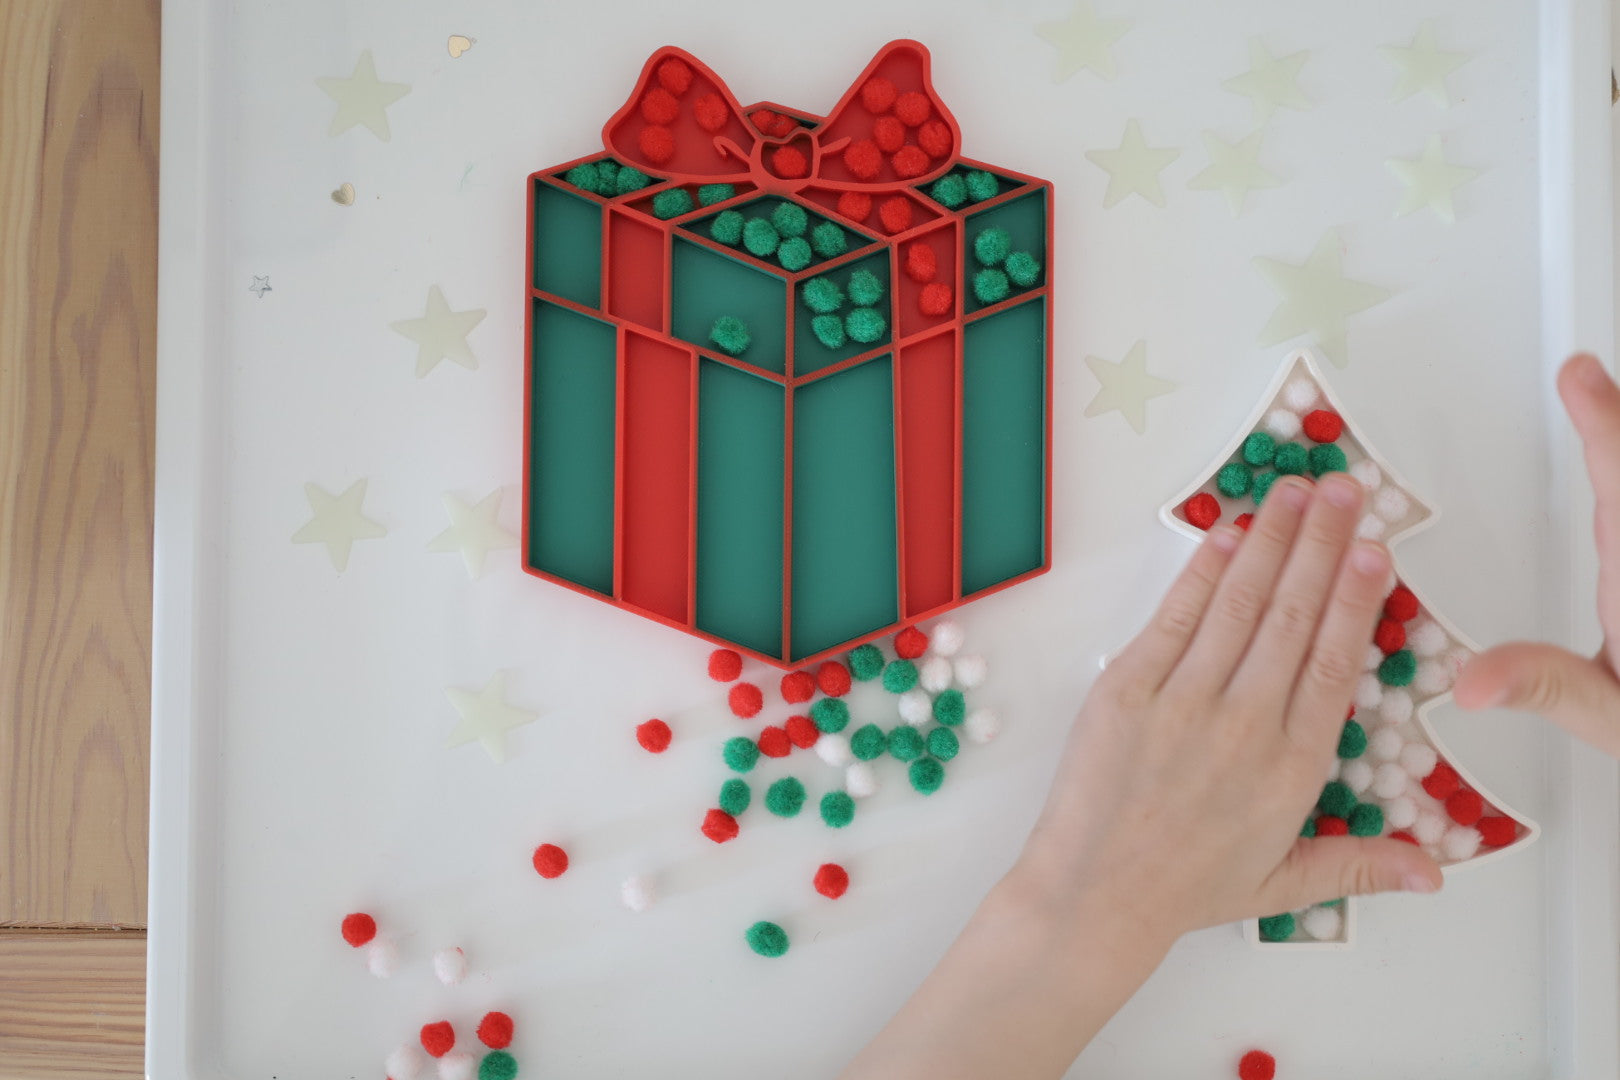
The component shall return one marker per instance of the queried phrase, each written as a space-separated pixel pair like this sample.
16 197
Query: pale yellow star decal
1234 169
338 522
474 531
440 334
1430 181
1271 82
1133 168
486 717
1083 41
1317 299
1423 67
362 99
1126 387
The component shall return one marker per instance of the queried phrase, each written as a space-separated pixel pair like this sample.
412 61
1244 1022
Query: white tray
298 716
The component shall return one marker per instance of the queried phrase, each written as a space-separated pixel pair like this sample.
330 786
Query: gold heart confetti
459 44
344 196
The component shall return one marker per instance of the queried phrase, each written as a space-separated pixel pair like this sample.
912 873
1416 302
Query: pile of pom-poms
864 323
437 1040
607 178
1001 269
781 230
906 134
382 955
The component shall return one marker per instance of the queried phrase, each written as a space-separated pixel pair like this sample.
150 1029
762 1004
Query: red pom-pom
495 1030
550 861
1496 830
719 826
1442 783
710 112
921 262
782 124
889 134
895 214
878 94
724 665
910 643
1465 807
653 735
1405 837
831 880
438 1039
863 159
1323 426
1390 636
1202 511
773 742
658 106
657 144
1328 825
745 700
855 205
936 299
763 119
802 732
675 75
833 678
1401 605
935 138
1257 1065
913 108
359 928
909 162
790 163
1243 521
798 686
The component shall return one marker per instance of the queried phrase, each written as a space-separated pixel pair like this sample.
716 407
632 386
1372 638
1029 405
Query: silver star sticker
1126 387
362 99
440 334
1317 298
260 286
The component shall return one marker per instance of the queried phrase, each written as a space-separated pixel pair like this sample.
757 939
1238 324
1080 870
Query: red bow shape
889 130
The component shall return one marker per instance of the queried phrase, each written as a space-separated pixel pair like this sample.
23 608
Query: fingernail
1369 559
1341 491
1589 370
1224 538
1295 494
1418 883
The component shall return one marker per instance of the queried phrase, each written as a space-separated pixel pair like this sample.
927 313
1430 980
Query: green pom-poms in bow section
727 227
709 194
950 191
982 185
672 202
790 219
828 240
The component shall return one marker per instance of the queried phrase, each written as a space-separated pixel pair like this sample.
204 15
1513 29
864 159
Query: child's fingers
1593 402
1578 694
1328 867
1328 678
1155 651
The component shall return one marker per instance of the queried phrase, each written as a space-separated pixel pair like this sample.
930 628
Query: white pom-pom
946 640
382 958
1391 504
1395 707
916 707
406 1063
1428 828
1427 639
450 965
970 671
1334 768
458 1065
1401 812
982 726
1419 760
1385 744
1367 473
1369 692
1374 657
1357 775
1322 923
1371 527
638 892
1460 842
1389 780
860 780
1300 394
934 674
833 748
1282 424
1433 677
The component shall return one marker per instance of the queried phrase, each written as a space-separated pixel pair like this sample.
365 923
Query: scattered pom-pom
798 687
450 966
1429 828
934 137
382 958
790 163
831 880
1202 511
950 708
1322 426
866 662
837 809
936 299
1367 819
1329 825
1442 783
746 700
910 643
899 676
865 288
730 334
982 185
1419 760
458 1065
405 1063
785 798
658 106
1282 424
1460 842
774 742
1277 927
1391 504
760 237
878 94
1325 459
498 1065
1322 923
1465 807
889 134
1395 707
868 742
1401 812
855 205
638 891
719 826
916 707
802 731
1352 740
935 674
1234 480
992 246
1257 1064
860 780
1398 668
740 753
710 112
947 638
1259 448
794 253
438 1038
727 228
735 796
830 714
1291 459
1356 775
358 929
767 939
982 726
971 672
905 744
926 775
657 143
950 191
654 736
495 1030
1496 831
828 240
833 678
943 743
1300 394
834 750
864 161
1389 780
991 286
550 861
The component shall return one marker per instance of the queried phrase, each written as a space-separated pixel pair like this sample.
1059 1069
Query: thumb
1575 692
1328 867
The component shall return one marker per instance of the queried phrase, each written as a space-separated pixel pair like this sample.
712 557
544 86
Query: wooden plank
72 1005
78 282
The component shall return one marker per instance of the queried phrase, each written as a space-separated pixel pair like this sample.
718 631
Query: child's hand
1580 694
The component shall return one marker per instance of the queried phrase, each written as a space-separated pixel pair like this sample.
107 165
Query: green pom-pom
1234 480
1334 903
790 219
926 775
1277 927
1262 484
607 178
498 1065
1336 799
1327 458
727 227
1290 459
899 676
1023 268
767 939
943 744
822 295
785 798
585 177
865 288
829 330
830 714
950 707
991 286
837 809
735 796
1398 668
671 202
950 191
992 246
866 662
828 240
1309 828
794 254
865 325
1352 740
741 753
630 180
868 742
1259 448
1367 819
709 194
982 185
905 743
760 237
730 335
